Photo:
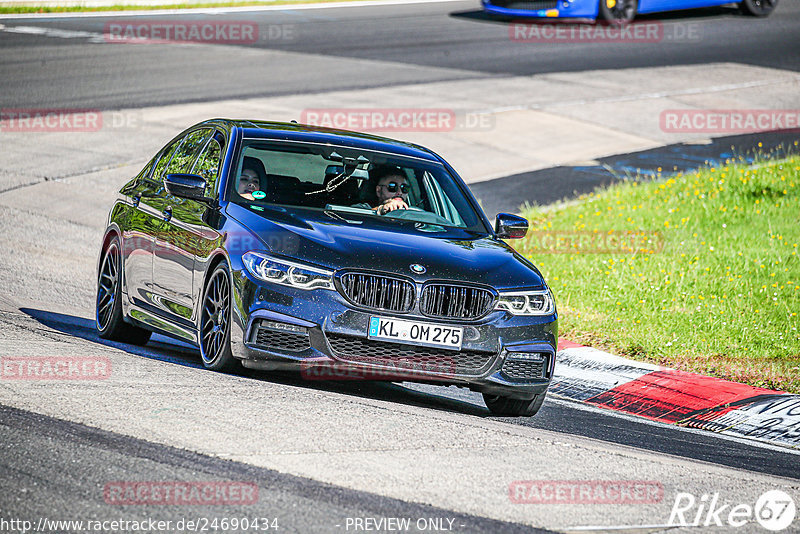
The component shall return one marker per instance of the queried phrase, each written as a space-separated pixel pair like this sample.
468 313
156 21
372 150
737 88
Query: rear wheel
507 407
215 327
617 12
108 310
758 8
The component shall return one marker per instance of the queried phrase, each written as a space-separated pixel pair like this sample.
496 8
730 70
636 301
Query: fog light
526 356
284 327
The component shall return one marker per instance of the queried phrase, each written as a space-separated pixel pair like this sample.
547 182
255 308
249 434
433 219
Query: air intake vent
378 292
455 302
275 336
524 369
533 5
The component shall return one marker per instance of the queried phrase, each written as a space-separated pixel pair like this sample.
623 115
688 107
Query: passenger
249 180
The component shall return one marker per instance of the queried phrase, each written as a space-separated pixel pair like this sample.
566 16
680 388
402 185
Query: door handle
167 214
136 200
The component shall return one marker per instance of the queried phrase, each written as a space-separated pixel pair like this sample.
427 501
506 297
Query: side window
164 160
184 157
208 163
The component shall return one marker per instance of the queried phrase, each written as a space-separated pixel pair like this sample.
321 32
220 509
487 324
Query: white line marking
55 32
221 10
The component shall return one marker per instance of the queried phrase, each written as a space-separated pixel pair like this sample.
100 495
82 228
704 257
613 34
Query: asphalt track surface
404 44
422 43
56 469
508 193
559 416
33 475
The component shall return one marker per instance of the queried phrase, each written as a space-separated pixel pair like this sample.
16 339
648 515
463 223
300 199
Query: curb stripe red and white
676 397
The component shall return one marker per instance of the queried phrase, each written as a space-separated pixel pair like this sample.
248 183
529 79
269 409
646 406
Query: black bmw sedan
338 254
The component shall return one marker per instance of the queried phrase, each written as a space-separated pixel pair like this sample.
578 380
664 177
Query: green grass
25 9
711 286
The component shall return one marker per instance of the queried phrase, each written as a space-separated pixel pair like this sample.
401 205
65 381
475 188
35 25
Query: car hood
344 241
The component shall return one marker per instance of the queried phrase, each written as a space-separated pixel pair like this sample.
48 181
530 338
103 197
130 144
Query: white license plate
415 333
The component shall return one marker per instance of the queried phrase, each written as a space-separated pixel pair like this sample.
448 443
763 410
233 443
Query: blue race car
612 11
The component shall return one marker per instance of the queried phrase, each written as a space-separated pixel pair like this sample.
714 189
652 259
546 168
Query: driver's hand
392 204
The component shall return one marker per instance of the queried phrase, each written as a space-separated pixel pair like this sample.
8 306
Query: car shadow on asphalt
172 351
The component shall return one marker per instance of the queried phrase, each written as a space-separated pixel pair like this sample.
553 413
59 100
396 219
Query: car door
204 223
144 222
180 230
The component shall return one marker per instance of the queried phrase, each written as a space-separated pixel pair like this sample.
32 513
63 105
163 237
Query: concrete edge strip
676 397
214 10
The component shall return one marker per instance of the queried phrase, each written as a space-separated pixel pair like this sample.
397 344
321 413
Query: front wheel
758 8
507 407
108 307
617 12
215 324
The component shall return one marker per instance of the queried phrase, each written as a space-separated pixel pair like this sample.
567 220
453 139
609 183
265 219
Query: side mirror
509 226
188 186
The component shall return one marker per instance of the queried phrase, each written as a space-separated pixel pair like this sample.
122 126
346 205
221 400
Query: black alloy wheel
507 407
617 12
109 321
758 8
215 328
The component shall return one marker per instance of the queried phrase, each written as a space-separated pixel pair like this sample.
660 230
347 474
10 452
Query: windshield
355 181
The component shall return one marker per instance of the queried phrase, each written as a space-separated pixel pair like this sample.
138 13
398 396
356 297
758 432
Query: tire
215 322
617 12
108 306
506 407
758 8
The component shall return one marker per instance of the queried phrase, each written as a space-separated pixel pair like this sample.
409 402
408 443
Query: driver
392 192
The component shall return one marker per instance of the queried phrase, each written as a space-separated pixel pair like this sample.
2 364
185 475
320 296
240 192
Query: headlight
287 273
526 302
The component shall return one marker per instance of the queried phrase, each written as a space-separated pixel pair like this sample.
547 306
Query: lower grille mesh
270 339
524 369
527 5
409 357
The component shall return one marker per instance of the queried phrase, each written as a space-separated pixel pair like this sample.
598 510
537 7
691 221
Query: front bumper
324 337
543 9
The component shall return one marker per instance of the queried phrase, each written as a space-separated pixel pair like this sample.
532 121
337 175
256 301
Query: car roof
256 129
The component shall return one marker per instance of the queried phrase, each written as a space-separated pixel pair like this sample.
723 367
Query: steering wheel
418 215
400 213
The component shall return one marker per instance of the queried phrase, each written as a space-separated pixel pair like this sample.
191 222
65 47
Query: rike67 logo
774 510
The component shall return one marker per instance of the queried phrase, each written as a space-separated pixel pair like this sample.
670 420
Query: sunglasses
392 187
